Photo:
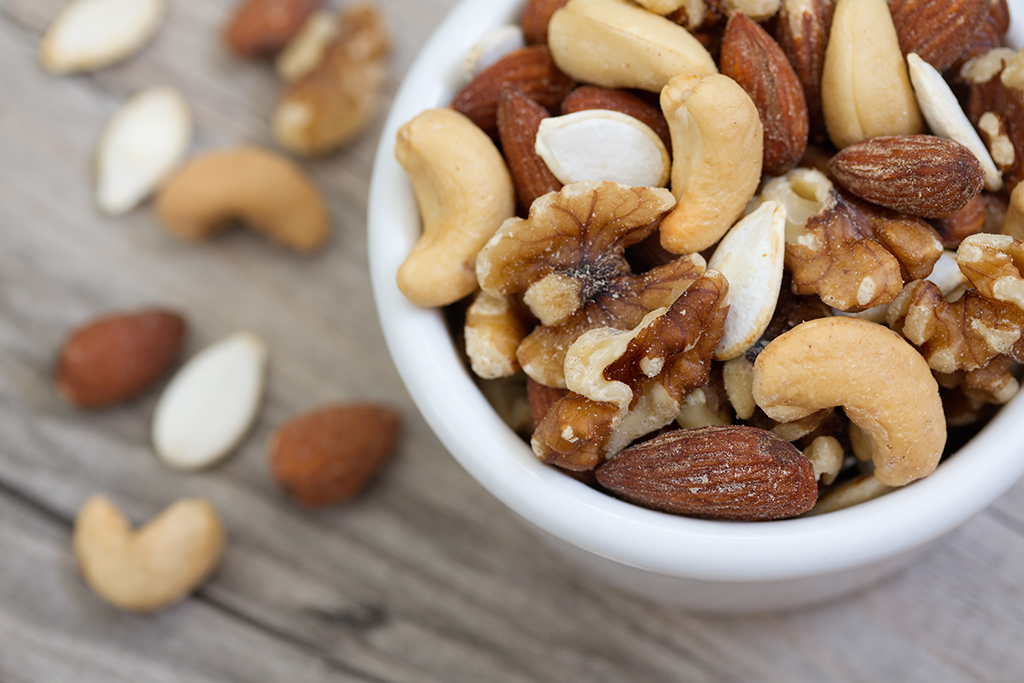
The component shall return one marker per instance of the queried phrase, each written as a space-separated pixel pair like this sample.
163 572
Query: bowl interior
443 390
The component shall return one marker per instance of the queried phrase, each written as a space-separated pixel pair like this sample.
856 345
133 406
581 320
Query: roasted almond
117 357
541 398
938 32
719 472
754 60
802 32
329 455
519 118
530 69
589 97
536 15
260 28
921 175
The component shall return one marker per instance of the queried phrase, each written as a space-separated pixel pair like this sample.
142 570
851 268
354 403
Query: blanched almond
751 256
211 403
600 144
91 34
142 143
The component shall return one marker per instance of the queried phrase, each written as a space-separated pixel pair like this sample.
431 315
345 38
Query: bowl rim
446 395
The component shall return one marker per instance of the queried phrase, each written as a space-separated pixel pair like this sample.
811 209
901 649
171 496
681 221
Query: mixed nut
334 66
832 284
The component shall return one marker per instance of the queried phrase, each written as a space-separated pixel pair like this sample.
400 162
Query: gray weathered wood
424 578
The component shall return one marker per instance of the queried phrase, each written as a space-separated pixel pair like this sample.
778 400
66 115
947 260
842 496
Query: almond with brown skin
802 32
589 97
536 16
260 28
115 358
721 472
519 118
530 69
328 456
920 175
541 399
938 32
755 61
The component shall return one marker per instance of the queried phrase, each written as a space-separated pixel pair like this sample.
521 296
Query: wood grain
425 577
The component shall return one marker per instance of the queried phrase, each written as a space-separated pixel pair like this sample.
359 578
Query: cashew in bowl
717 152
154 567
263 190
616 44
464 192
883 384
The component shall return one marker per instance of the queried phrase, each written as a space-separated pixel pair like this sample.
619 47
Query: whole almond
802 32
589 97
260 28
519 118
921 175
938 32
541 398
115 358
530 69
720 472
754 60
536 15
329 455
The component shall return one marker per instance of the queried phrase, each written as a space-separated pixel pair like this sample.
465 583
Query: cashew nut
263 190
883 384
154 567
865 87
464 191
717 151
616 44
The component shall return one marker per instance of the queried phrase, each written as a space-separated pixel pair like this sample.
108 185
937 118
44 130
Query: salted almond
91 34
920 175
947 119
717 472
491 47
117 357
802 31
535 19
755 61
938 32
519 118
211 402
144 141
752 258
600 144
329 455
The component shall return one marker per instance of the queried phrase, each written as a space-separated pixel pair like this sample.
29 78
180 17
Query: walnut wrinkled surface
626 384
567 259
851 254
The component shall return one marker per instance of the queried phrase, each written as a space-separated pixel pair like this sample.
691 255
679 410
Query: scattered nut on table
155 566
329 455
260 28
92 34
260 189
117 357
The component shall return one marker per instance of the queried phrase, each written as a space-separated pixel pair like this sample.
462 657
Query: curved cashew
616 44
148 569
883 384
263 190
717 151
464 192
865 87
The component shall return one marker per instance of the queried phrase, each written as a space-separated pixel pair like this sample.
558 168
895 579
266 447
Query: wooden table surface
423 578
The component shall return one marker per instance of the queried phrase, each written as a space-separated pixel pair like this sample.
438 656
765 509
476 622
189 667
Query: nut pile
831 284
334 69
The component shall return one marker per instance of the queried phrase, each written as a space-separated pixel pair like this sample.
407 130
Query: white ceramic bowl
699 564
